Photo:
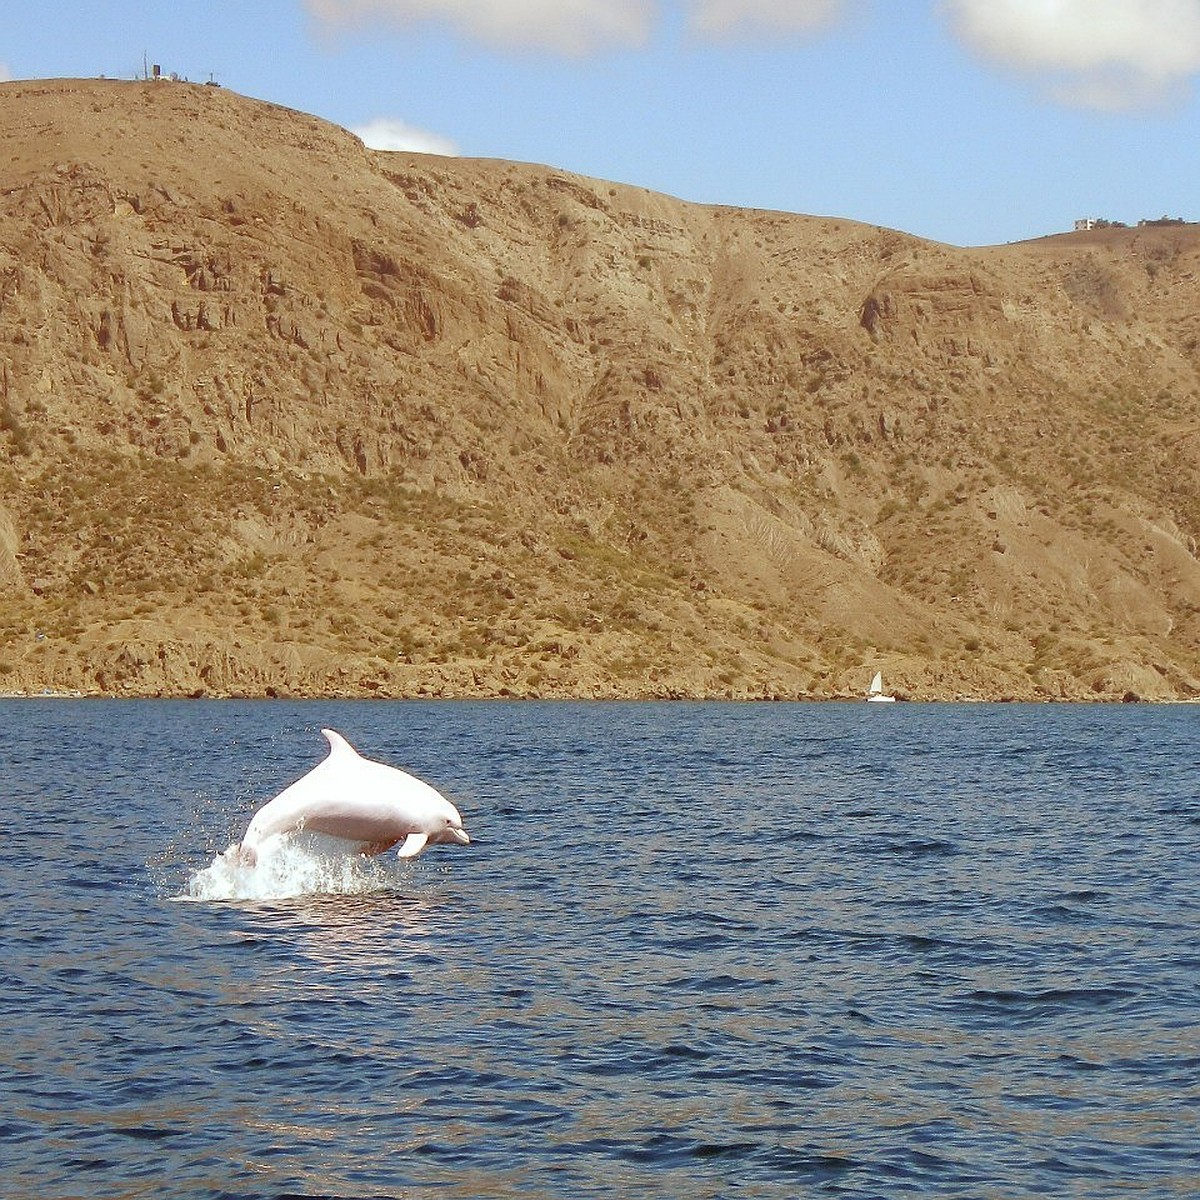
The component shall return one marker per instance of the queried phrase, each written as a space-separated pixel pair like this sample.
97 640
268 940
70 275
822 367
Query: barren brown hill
279 414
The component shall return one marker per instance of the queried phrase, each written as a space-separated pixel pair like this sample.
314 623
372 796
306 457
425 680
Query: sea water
693 950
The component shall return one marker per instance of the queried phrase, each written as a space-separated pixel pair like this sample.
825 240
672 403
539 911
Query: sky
971 122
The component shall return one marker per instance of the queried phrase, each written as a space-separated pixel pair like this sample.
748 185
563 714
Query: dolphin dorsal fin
338 746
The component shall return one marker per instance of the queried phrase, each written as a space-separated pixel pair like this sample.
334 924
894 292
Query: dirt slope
279 414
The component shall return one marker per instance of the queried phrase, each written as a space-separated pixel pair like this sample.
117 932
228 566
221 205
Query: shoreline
313 698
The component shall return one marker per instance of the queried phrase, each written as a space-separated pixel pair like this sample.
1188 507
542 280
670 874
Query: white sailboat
876 692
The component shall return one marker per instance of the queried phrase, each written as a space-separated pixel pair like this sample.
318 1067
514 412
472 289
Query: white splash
290 866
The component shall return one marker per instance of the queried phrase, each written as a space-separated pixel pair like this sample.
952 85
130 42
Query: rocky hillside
282 415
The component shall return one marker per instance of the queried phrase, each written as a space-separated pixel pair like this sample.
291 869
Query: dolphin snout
460 836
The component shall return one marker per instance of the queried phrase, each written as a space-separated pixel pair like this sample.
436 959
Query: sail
877 683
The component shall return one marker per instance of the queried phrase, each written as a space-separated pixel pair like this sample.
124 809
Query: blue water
694 950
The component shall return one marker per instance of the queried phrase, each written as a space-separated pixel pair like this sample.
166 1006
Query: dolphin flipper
413 845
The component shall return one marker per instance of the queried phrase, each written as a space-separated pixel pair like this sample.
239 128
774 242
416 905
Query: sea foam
290 866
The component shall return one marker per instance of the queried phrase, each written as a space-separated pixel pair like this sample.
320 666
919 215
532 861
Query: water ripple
697 950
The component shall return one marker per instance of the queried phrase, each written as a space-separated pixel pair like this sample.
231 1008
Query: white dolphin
350 797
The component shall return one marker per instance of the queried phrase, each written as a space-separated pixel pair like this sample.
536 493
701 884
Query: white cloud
1111 54
722 18
579 27
573 27
386 133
